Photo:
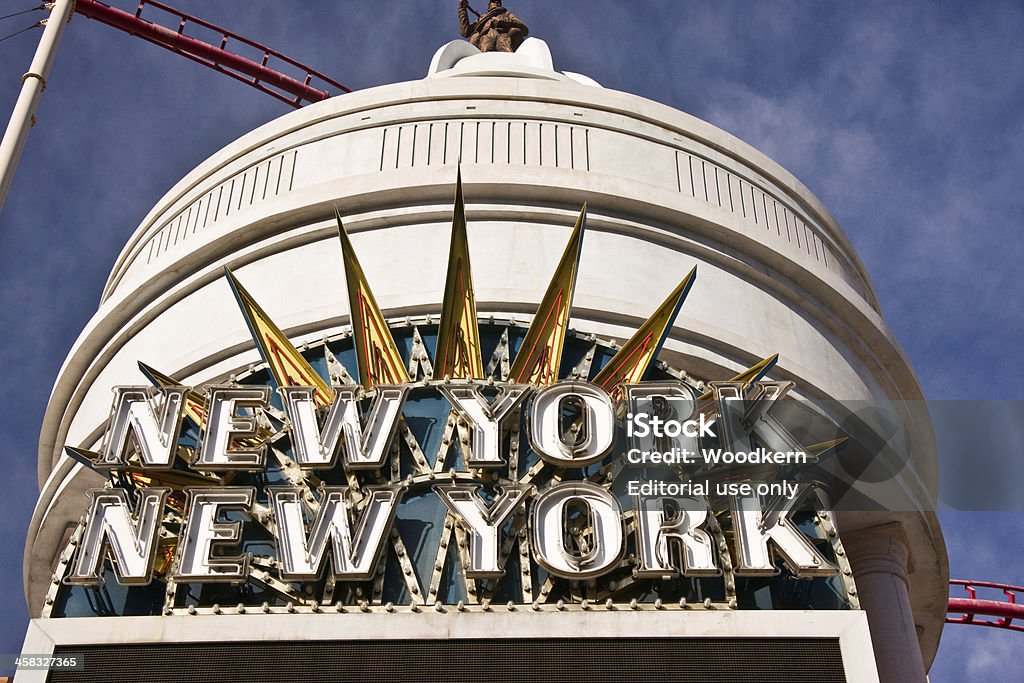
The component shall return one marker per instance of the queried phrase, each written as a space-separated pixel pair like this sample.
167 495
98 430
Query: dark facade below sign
557 660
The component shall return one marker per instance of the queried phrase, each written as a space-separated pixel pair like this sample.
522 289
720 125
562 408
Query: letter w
364 448
354 553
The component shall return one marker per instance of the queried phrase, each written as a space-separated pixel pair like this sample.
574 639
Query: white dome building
664 192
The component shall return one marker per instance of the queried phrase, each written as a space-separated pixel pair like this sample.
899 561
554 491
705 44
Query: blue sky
905 118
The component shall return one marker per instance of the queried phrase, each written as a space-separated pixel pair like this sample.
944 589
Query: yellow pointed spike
286 364
195 403
86 457
458 335
540 355
758 371
819 449
631 361
750 375
376 352
176 479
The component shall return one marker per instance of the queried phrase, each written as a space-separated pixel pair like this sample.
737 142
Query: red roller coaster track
972 610
295 90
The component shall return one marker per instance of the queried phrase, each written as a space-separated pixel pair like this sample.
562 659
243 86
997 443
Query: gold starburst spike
458 336
750 375
820 450
540 355
631 361
377 354
195 403
286 364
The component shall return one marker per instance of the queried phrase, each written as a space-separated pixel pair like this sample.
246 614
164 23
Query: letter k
705 426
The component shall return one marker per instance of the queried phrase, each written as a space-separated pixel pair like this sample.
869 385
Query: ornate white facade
665 191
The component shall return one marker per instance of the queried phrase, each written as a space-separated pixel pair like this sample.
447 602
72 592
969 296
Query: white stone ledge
243 161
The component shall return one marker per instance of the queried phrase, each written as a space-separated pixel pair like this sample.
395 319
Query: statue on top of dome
496 30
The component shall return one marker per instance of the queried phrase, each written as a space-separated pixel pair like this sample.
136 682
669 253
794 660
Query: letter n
154 427
132 539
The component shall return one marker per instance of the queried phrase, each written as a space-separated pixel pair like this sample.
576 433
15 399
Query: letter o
548 530
597 424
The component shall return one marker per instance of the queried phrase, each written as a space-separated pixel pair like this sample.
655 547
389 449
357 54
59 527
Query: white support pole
32 85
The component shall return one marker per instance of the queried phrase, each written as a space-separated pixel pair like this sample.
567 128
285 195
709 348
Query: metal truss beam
258 74
971 610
